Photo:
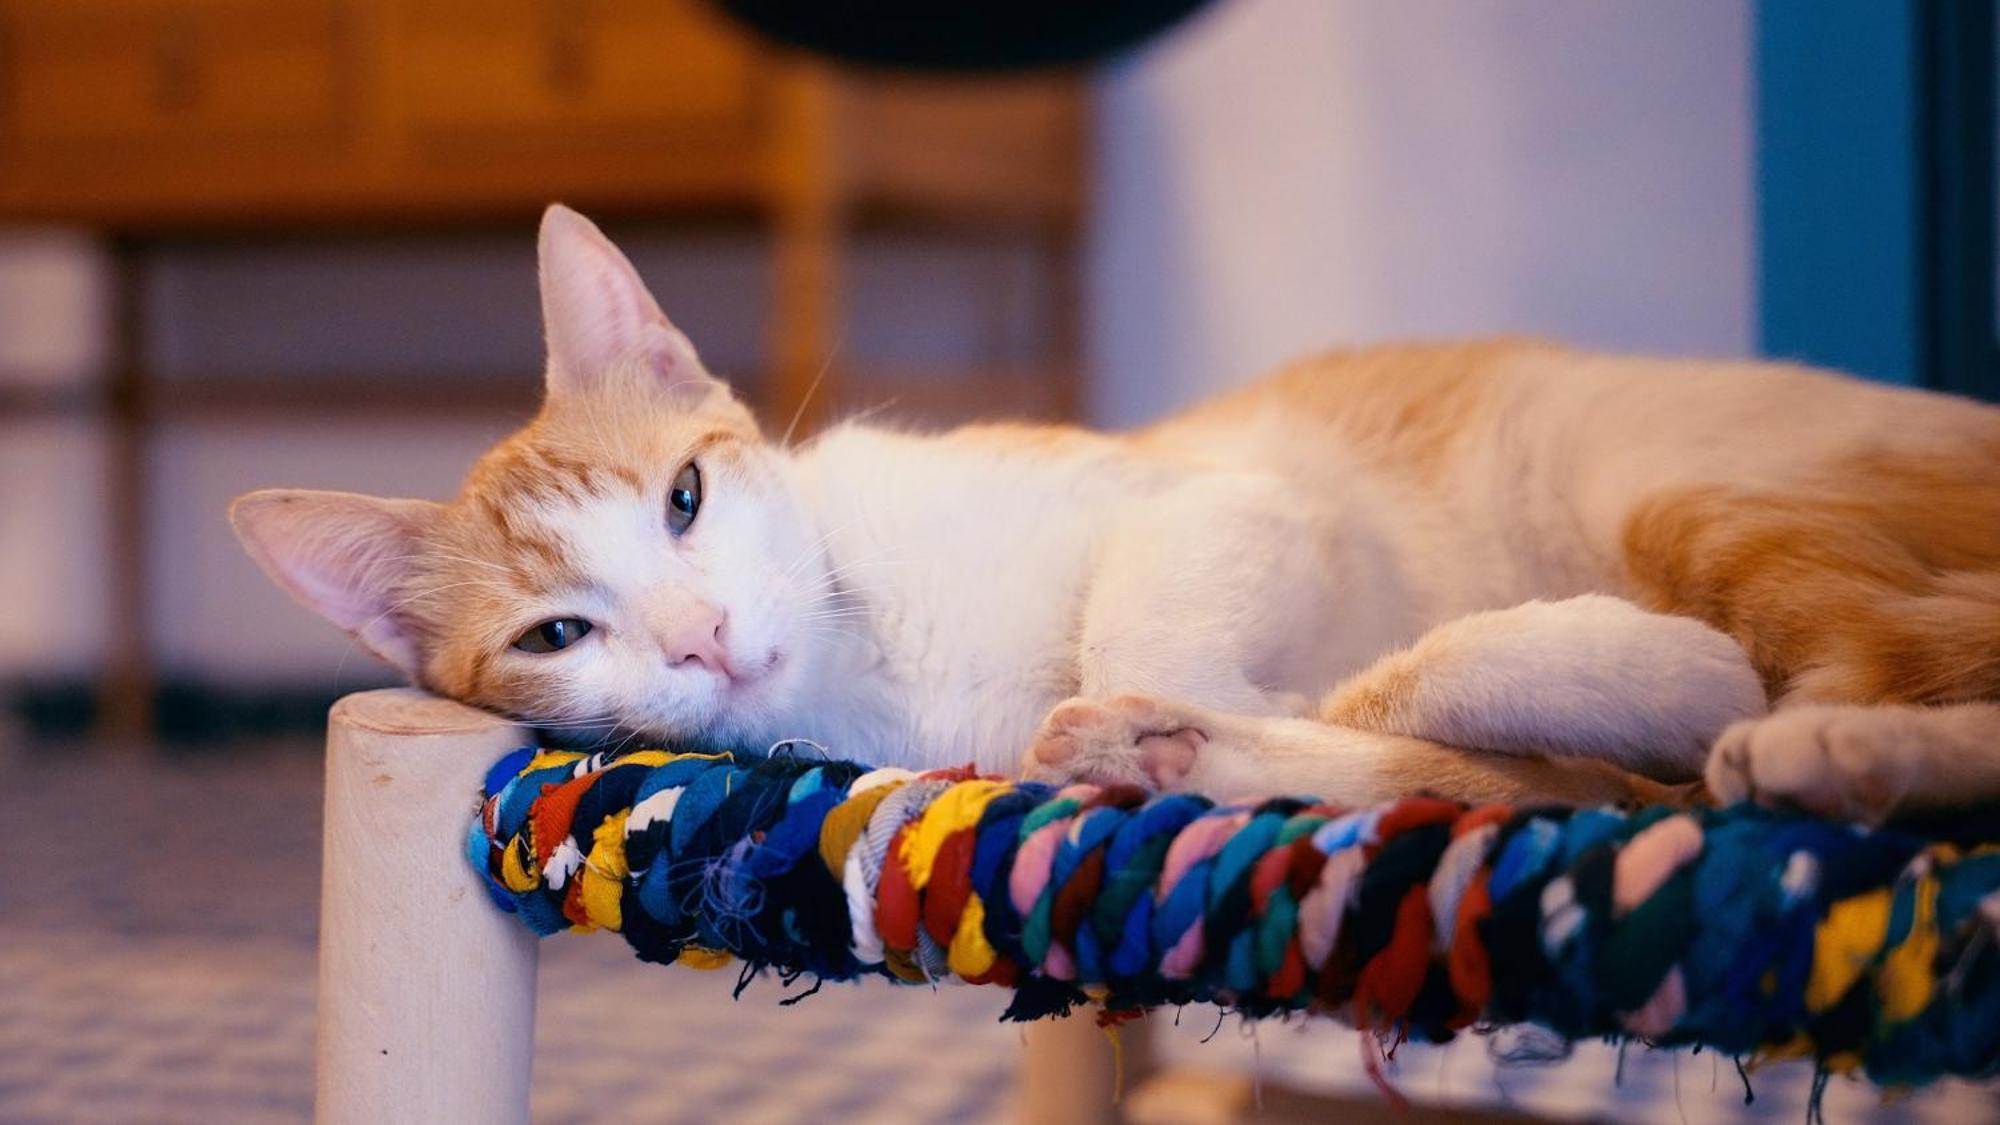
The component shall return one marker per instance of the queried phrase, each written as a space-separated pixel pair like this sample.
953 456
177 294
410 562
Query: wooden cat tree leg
1069 1074
426 992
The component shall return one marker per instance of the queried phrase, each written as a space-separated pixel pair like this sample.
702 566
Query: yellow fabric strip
696 957
1797 1047
679 755
903 965
1905 982
970 955
515 874
957 807
1848 941
545 759
604 871
844 825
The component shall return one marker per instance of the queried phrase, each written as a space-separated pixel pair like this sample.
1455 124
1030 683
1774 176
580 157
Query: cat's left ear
346 557
601 321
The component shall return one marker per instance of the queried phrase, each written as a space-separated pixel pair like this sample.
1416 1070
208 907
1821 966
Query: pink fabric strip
1325 905
1058 963
1196 842
1454 873
1663 1010
1648 858
1031 864
1181 960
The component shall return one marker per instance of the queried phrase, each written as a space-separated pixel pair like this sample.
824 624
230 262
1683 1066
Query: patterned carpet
156 965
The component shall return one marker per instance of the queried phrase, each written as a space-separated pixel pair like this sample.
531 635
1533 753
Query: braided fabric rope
1747 931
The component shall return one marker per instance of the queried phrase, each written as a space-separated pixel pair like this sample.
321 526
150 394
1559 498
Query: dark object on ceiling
961 34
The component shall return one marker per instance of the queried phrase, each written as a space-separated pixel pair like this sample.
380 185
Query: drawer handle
566 60
177 65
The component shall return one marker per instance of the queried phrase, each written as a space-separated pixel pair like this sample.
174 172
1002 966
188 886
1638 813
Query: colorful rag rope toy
1747 931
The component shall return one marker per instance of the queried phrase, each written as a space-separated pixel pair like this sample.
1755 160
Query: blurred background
246 244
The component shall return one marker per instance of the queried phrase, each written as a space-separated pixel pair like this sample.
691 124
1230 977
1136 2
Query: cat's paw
1125 740
1845 762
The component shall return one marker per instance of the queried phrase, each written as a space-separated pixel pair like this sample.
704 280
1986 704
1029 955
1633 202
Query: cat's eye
684 498
553 635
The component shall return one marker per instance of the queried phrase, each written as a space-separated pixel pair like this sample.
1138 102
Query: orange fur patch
1035 438
1477 776
1880 582
1378 699
1406 409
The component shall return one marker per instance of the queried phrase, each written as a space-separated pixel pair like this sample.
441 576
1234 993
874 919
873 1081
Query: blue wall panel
1837 183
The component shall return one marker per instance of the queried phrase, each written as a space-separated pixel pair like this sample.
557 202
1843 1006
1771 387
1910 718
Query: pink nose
698 640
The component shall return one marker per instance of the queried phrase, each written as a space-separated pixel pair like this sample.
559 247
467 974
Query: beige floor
156 964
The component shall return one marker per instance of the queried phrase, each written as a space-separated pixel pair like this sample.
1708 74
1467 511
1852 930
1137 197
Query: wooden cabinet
559 72
121 80
147 119
151 114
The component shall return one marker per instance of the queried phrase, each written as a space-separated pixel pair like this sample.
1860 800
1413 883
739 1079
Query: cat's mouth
737 677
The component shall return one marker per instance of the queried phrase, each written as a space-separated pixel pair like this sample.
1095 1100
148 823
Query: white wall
52 535
55 288
54 295
1284 175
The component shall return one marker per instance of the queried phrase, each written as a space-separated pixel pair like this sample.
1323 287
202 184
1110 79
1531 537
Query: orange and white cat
1473 570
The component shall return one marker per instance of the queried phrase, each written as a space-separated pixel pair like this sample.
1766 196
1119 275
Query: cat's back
1402 409
1430 414
1531 457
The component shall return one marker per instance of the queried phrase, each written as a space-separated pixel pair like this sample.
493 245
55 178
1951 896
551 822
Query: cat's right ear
600 320
343 556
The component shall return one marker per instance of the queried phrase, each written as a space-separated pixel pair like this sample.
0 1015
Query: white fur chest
971 562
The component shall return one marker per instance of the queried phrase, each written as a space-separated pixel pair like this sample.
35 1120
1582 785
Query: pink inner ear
336 587
597 312
341 556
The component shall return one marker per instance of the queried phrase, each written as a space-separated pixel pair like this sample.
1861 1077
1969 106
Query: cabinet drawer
538 70
140 74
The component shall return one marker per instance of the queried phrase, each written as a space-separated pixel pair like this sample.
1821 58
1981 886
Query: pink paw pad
1169 757
1129 740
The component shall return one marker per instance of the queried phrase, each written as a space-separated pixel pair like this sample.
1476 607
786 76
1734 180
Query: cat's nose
699 641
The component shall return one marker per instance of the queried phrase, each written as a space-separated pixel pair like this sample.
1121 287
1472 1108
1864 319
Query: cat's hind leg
1543 701
1870 604
1591 676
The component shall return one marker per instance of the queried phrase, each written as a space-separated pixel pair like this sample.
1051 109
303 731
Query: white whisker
811 389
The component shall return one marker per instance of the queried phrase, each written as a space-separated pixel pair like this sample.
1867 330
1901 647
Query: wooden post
127 691
807 181
426 991
1069 1074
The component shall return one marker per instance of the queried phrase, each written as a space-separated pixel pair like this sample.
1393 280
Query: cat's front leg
1163 745
1863 763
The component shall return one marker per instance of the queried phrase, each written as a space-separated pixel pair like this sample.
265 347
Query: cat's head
632 559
